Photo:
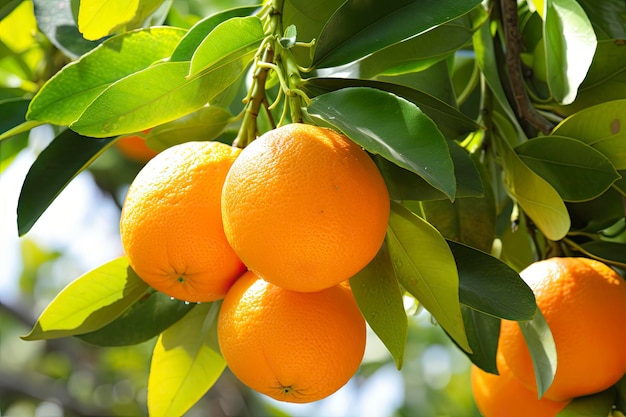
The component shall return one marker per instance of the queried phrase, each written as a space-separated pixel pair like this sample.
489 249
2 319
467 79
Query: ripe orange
171 224
584 303
134 147
305 207
504 395
292 346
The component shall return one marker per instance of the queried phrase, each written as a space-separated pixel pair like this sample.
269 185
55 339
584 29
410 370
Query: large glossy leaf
483 332
406 185
55 19
66 95
450 120
379 298
205 124
490 286
607 17
534 194
471 221
425 267
234 38
97 18
577 171
198 32
145 319
603 127
597 214
422 51
90 302
542 349
64 158
185 363
605 80
405 136
166 93
359 29
570 47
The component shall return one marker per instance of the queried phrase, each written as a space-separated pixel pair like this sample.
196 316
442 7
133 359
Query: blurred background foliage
68 377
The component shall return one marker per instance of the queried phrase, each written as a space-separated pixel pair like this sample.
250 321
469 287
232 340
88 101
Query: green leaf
7 7
452 123
56 21
613 253
570 47
97 18
19 129
288 40
406 185
482 332
64 158
595 215
196 34
359 29
595 405
205 124
90 302
607 17
309 17
471 221
405 136
542 349
577 171
490 286
486 59
602 126
145 319
185 363
379 298
425 267
234 38
166 94
534 194
605 80
422 51
68 93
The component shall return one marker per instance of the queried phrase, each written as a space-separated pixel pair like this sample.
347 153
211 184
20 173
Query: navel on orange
171 223
292 346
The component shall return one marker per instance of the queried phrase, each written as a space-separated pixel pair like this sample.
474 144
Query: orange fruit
584 303
305 207
504 395
134 147
292 346
171 223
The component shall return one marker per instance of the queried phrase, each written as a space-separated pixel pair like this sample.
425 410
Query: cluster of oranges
275 230
584 304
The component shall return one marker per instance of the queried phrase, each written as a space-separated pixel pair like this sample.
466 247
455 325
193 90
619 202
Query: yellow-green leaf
185 363
379 298
536 196
99 18
425 267
90 302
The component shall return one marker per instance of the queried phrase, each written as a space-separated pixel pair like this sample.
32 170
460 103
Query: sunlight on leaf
90 302
185 363
542 349
379 298
99 18
425 268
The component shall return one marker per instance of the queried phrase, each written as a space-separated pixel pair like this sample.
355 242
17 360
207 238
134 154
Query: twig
513 38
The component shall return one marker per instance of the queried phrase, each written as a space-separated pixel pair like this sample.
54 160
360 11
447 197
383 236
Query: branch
513 39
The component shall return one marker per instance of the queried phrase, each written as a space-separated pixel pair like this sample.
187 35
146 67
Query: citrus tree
496 126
